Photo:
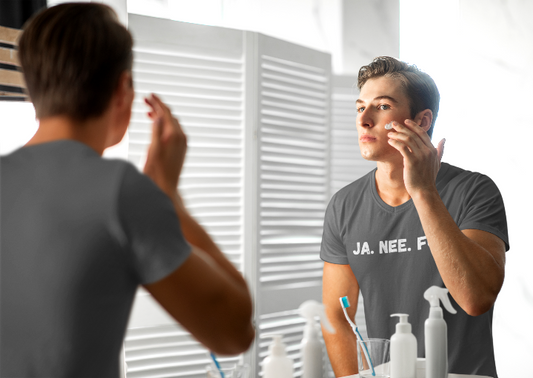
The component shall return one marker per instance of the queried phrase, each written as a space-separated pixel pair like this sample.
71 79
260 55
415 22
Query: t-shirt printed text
389 246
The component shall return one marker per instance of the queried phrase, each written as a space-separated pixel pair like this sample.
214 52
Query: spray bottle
312 351
436 333
277 364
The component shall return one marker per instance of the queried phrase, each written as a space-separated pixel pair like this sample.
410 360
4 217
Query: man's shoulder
451 176
65 162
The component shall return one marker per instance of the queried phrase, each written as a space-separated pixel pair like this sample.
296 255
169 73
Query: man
80 233
410 224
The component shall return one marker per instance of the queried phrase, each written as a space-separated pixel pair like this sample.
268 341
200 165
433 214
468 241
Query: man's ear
124 90
121 104
424 119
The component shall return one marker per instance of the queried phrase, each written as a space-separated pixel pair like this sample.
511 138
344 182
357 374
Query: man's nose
364 119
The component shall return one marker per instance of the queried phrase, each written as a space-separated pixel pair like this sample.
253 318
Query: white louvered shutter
347 164
293 110
256 110
199 72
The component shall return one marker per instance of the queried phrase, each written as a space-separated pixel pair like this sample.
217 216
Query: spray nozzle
435 294
310 309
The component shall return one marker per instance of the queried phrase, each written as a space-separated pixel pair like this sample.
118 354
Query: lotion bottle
436 333
277 364
311 347
403 351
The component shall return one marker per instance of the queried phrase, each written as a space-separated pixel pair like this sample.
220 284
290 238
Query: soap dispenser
436 333
277 364
311 347
403 351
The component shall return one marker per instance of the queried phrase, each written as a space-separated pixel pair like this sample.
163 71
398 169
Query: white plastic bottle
277 364
311 347
403 352
436 333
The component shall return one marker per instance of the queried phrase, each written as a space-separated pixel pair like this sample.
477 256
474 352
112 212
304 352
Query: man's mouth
367 138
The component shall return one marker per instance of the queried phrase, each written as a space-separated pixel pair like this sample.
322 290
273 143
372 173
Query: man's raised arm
206 294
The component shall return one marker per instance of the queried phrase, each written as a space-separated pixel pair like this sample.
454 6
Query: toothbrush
217 364
345 304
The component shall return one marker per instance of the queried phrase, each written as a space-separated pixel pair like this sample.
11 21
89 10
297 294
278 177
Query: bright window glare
207 12
18 125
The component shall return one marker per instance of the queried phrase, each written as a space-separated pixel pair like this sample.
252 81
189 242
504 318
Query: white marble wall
369 29
481 54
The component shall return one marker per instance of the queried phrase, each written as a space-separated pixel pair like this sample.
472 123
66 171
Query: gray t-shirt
79 233
388 252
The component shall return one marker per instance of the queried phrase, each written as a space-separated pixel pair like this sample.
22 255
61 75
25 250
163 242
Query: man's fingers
405 135
440 149
402 148
415 128
158 107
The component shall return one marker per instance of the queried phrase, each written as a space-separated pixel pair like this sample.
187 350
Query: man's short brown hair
72 56
419 87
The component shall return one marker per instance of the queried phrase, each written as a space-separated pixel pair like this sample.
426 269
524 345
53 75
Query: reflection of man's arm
470 262
339 281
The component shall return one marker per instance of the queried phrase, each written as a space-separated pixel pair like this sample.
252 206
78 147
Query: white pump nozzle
276 348
310 309
434 294
403 326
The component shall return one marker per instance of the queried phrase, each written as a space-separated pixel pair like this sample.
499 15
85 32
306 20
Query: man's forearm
471 273
342 349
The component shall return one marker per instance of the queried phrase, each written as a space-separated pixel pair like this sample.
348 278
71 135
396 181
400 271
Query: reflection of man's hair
419 87
72 56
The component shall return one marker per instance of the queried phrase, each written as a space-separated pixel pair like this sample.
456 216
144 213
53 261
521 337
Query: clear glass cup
239 371
373 358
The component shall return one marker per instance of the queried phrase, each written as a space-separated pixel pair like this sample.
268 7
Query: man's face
381 101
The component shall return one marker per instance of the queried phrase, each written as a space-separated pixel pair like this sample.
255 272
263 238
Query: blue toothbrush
345 304
217 364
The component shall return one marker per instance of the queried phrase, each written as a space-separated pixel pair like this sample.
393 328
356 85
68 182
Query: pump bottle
311 347
436 333
277 364
403 351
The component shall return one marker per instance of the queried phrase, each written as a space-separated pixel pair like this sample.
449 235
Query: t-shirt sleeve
485 209
332 249
156 246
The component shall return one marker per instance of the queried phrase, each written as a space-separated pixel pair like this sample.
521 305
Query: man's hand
166 153
421 161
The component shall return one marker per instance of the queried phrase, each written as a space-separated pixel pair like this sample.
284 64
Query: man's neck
390 185
92 132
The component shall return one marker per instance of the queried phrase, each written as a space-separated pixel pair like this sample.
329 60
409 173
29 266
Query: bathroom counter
449 376
421 371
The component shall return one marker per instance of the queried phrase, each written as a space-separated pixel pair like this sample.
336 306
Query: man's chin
368 155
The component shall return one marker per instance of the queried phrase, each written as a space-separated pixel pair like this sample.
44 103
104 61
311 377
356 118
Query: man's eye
383 107
360 110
